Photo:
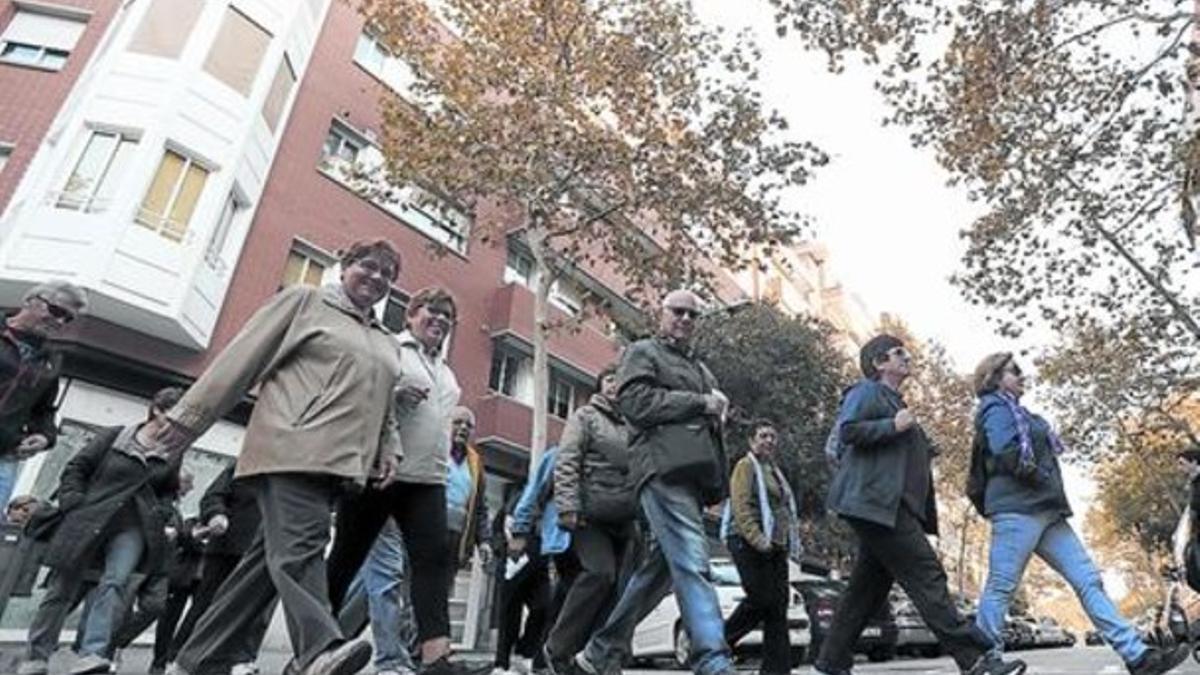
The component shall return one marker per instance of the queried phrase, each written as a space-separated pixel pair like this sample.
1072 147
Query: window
561 399
41 38
238 51
172 196
374 58
512 374
394 310
518 268
165 27
5 153
98 171
277 96
305 266
234 207
567 295
342 146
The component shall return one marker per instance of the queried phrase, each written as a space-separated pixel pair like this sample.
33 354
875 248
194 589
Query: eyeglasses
373 266
898 352
685 312
57 311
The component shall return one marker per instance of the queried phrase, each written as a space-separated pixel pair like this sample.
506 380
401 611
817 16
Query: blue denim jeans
1015 537
121 557
679 561
385 579
9 470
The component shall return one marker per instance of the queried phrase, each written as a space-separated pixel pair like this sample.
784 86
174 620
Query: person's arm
861 423
218 496
76 475
525 515
483 526
263 342
999 426
41 416
743 501
568 470
644 402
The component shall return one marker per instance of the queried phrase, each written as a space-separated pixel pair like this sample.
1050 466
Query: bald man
466 493
671 402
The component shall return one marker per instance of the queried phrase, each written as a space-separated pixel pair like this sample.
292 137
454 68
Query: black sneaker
1157 661
990 664
821 669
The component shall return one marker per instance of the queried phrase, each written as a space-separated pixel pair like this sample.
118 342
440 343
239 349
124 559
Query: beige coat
325 379
425 428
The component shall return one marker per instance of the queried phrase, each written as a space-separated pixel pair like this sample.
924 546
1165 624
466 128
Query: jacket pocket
320 400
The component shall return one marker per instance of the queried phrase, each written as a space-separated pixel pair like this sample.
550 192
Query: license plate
872 631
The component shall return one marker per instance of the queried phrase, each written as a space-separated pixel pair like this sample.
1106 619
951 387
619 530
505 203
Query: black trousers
164 632
420 511
901 554
214 570
529 590
286 563
591 595
765 580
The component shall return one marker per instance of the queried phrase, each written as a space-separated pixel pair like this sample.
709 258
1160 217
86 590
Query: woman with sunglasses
1024 499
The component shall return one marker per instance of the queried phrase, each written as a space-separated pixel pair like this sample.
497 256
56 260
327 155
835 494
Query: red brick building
181 160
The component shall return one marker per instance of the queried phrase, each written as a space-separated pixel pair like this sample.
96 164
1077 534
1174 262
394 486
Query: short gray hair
63 292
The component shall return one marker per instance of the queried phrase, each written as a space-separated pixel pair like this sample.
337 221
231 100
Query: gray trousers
287 562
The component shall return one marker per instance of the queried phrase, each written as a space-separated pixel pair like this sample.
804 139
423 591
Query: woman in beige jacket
325 370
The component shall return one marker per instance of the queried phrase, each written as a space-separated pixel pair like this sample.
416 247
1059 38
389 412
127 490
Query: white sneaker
244 669
91 664
495 671
34 667
521 665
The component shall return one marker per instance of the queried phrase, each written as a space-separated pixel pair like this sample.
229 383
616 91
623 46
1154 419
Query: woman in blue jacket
1025 501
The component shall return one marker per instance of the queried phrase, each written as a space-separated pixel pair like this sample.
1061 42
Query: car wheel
882 654
683 647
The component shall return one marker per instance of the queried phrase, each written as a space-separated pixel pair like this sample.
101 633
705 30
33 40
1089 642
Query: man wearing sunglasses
883 489
670 401
29 369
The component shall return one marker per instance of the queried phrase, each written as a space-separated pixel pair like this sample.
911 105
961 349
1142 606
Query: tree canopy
622 135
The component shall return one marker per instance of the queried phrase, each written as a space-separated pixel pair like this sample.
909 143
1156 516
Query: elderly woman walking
596 502
111 515
426 398
326 368
1017 453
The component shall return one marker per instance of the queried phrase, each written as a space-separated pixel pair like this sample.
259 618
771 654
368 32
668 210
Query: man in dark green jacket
883 488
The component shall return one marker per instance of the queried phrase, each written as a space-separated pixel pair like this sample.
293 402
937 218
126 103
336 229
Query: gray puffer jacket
594 452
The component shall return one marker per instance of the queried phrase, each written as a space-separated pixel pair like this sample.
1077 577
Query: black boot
1157 661
991 664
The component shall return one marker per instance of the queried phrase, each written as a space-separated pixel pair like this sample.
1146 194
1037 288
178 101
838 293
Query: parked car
1019 633
913 636
662 634
878 639
1050 634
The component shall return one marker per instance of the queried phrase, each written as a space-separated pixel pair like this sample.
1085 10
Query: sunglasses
898 352
683 312
59 312
1012 368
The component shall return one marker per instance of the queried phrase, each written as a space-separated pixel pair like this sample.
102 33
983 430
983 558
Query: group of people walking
357 440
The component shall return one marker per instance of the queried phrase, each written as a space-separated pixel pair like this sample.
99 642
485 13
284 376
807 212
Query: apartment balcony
583 346
503 427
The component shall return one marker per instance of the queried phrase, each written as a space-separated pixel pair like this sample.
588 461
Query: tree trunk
962 551
536 236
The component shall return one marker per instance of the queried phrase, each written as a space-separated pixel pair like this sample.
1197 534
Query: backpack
977 473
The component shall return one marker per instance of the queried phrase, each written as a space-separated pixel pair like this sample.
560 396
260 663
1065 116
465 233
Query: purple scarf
1021 418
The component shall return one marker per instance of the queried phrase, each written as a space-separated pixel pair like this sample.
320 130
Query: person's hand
171 533
715 403
387 472
904 420
568 520
410 396
32 445
516 547
485 554
218 525
173 437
